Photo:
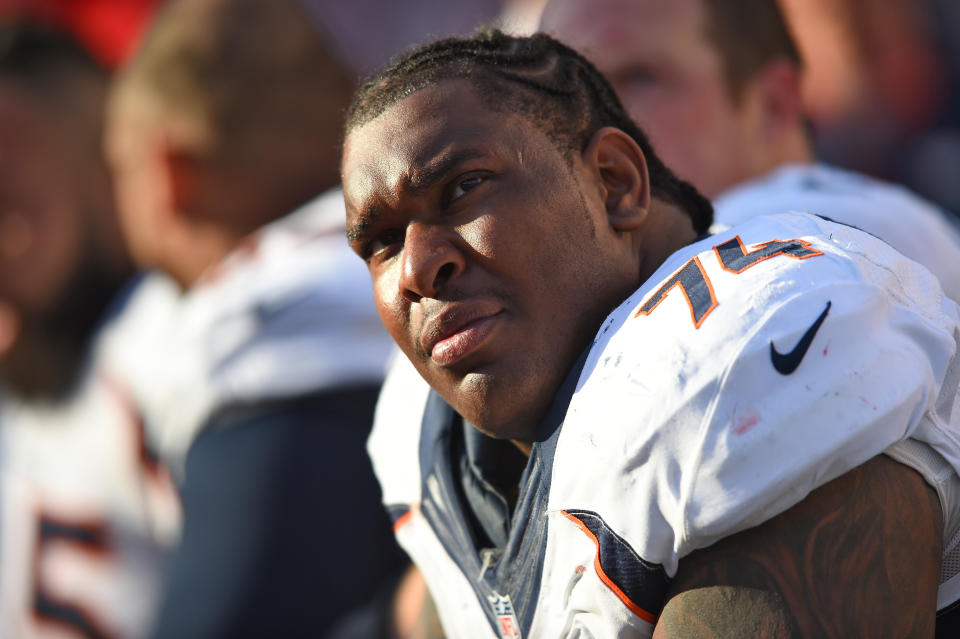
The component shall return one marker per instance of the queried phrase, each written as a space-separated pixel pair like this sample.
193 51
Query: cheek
488 236
392 308
694 132
672 118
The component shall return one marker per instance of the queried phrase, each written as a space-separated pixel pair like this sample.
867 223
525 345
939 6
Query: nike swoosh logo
786 363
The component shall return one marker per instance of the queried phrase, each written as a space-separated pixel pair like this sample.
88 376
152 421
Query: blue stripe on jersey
396 512
644 583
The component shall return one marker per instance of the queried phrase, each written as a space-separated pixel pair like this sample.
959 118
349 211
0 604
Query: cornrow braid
553 86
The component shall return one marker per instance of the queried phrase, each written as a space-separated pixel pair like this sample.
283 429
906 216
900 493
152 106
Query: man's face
492 259
670 78
52 285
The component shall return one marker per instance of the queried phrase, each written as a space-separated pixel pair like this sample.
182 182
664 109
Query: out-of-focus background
883 88
882 77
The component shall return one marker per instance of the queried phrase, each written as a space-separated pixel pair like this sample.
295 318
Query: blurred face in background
58 267
670 77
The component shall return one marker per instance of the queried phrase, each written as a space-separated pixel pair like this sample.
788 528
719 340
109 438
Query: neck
668 229
795 148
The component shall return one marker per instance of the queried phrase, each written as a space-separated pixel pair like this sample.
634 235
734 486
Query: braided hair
550 84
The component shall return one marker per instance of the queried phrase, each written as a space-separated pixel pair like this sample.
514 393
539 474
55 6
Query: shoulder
394 444
290 313
812 188
910 224
753 367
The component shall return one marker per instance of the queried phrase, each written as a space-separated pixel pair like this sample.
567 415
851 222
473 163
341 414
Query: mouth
459 331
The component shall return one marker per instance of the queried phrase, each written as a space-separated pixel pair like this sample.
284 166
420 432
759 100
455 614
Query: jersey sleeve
283 527
803 370
394 442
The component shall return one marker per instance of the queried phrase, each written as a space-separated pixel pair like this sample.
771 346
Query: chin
502 411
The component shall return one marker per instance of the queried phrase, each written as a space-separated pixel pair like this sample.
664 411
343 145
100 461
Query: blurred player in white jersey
635 429
223 133
716 84
88 514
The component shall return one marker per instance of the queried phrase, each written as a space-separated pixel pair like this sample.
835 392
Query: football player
716 84
88 514
632 428
223 132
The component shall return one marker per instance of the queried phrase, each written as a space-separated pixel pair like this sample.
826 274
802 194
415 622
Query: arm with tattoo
859 557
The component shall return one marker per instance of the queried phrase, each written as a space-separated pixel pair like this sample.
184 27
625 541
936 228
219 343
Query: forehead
608 31
445 120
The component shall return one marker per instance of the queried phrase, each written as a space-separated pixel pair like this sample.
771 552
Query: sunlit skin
494 258
670 78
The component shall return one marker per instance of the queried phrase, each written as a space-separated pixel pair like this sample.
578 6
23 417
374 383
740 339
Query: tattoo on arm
859 557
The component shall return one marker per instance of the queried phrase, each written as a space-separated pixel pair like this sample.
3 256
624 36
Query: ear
777 86
180 171
621 171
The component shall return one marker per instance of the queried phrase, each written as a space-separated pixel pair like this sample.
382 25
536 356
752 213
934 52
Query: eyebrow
421 180
438 168
366 219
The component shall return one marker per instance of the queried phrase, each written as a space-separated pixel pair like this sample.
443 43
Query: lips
459 330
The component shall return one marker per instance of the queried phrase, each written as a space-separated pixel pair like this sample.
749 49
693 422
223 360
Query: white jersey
916 228
751 368
289 313
88 514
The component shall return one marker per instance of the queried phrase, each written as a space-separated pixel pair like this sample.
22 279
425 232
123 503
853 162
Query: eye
464 186
383 244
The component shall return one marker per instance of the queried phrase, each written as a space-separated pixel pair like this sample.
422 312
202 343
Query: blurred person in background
223 135
718 87
88 515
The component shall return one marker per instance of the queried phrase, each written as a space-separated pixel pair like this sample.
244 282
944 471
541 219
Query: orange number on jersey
695 284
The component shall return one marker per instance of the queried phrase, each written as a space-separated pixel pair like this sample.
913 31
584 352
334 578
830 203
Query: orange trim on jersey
662 293
403 520
759 247
622 596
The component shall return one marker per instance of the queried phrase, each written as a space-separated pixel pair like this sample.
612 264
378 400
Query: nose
430 259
